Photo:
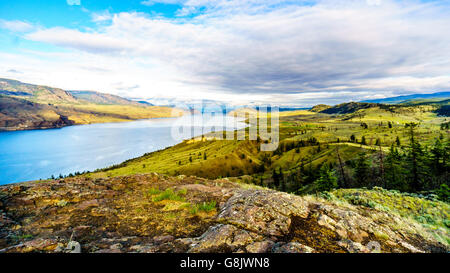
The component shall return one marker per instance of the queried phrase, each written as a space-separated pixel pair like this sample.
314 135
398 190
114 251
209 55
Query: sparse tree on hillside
363 140
393 170
378 142
327 180
362 171
415 159
397 141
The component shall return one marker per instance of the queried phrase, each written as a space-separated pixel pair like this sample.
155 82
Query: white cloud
73 2
152 2
16 26
101 16
374 2
262 50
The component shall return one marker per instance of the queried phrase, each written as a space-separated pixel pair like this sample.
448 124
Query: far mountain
347 108
25 106
407 98
35 93
103 98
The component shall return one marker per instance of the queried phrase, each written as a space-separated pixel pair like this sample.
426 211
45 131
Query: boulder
263 212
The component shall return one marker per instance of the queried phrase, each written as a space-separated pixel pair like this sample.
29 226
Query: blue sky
67 13
283 51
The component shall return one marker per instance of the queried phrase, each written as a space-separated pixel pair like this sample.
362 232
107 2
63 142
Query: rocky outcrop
264 212
155 213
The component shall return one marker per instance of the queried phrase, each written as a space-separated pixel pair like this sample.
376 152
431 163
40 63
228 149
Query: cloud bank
270 51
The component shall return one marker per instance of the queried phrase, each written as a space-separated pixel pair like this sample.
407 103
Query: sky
284 52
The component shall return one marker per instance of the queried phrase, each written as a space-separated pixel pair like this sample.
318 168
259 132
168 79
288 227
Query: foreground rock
154 213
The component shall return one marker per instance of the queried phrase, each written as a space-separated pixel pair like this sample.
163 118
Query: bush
325 195
360 201
444 193
425 219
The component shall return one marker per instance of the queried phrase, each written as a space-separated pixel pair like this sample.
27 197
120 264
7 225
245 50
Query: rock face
130 214
264 212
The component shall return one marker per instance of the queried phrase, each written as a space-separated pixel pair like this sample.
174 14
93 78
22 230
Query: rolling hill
26 106
103 98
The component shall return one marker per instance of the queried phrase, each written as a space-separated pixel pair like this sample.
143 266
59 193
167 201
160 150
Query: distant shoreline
21 128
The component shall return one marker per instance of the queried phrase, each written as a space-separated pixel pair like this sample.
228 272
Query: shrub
360 201
444 193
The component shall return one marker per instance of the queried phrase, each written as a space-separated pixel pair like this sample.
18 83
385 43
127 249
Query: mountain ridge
25 106
405 98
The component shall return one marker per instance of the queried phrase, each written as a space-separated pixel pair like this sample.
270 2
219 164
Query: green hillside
102 98
311 142
35 93
26 106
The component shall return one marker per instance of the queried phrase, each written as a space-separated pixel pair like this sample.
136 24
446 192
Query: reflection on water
31 155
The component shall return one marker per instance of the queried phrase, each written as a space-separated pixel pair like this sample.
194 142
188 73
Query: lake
39 154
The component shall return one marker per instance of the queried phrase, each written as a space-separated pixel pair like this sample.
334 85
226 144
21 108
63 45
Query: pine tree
444 193
363 140
437 157
416 160
397 141
327 180
394 171
275 178
378 142
361 171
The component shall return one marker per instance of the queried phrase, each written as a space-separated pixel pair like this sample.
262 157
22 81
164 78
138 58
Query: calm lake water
39 154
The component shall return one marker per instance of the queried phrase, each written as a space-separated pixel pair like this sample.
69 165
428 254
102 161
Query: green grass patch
432 213
169 194
205 206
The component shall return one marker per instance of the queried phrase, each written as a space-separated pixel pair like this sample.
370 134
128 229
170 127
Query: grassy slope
430 214
95 113
236 158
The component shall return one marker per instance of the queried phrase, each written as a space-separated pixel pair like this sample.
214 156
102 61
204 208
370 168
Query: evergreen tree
416 160
361 171
397 141
394 173
363 140
275 178
327 180
378 142
437 157
444 193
